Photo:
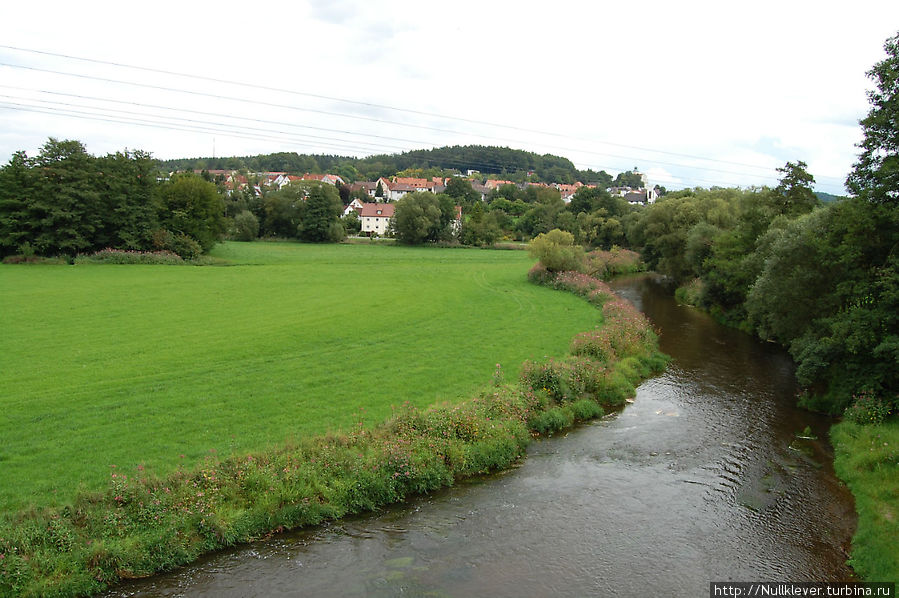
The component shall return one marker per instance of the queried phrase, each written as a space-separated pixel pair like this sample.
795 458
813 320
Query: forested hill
510 163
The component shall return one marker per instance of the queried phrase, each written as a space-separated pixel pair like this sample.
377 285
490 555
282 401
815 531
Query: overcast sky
692 93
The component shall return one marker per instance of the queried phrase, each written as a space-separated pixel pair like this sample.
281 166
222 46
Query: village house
331 179
397 191
495 184
354 206
376 217
369 187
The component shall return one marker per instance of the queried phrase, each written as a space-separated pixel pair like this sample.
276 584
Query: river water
703 478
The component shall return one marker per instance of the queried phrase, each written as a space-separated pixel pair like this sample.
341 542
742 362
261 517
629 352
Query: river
705 477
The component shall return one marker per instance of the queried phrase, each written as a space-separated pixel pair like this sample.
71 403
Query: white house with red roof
376 217
331 179
355 206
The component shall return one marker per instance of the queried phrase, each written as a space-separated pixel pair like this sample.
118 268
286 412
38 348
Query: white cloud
749 84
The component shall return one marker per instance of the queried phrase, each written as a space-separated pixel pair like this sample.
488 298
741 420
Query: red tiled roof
375 210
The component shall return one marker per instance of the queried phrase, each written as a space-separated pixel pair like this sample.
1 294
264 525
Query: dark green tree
17 186
321 216
191 206
126 182
421 217
246 226
351 223
283 210
66 207
462 192
794 194
875 177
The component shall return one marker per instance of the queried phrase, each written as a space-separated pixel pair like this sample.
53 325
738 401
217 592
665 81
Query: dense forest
514 165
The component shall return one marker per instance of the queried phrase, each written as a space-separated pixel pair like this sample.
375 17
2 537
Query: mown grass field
111 368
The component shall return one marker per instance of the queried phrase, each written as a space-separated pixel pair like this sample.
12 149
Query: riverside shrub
120 256
556 251
868 408
614 262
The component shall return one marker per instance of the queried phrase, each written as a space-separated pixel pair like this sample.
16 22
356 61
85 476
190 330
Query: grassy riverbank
145 521
866 458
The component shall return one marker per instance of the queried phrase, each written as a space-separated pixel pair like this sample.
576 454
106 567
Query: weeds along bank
141 525
866 458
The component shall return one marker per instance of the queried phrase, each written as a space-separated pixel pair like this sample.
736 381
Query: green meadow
113 368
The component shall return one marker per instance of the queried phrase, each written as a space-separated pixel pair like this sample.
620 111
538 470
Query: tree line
515 165
821 279
64 201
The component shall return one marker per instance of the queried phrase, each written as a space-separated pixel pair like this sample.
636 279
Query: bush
616 261
580 284
556 251
118 256
35 259
540 275
246 226
585 409
690 293
185 246
550 377
596 343
868 408
551 420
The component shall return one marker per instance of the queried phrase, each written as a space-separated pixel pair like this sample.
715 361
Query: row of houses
375 216
232 179
393 189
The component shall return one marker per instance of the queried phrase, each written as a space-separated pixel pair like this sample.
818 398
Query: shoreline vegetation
866 459
142 524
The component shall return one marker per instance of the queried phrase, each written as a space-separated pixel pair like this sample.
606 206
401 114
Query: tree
283 211
379 190
351 223
421 217
629 178
321 217
16 194
556 251
246 226
875 177
66 206
584 200
189 205
462 192
126 184
794 194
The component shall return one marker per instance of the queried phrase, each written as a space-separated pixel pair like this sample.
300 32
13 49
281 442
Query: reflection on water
702 479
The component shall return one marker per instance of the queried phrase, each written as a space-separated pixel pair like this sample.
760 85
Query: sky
690 93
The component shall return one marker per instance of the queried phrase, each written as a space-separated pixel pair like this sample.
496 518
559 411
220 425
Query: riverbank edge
866 459
866 465
142 525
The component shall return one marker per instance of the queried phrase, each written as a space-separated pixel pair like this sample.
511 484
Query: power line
221 129
342 115
374 105
402 110
296 108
